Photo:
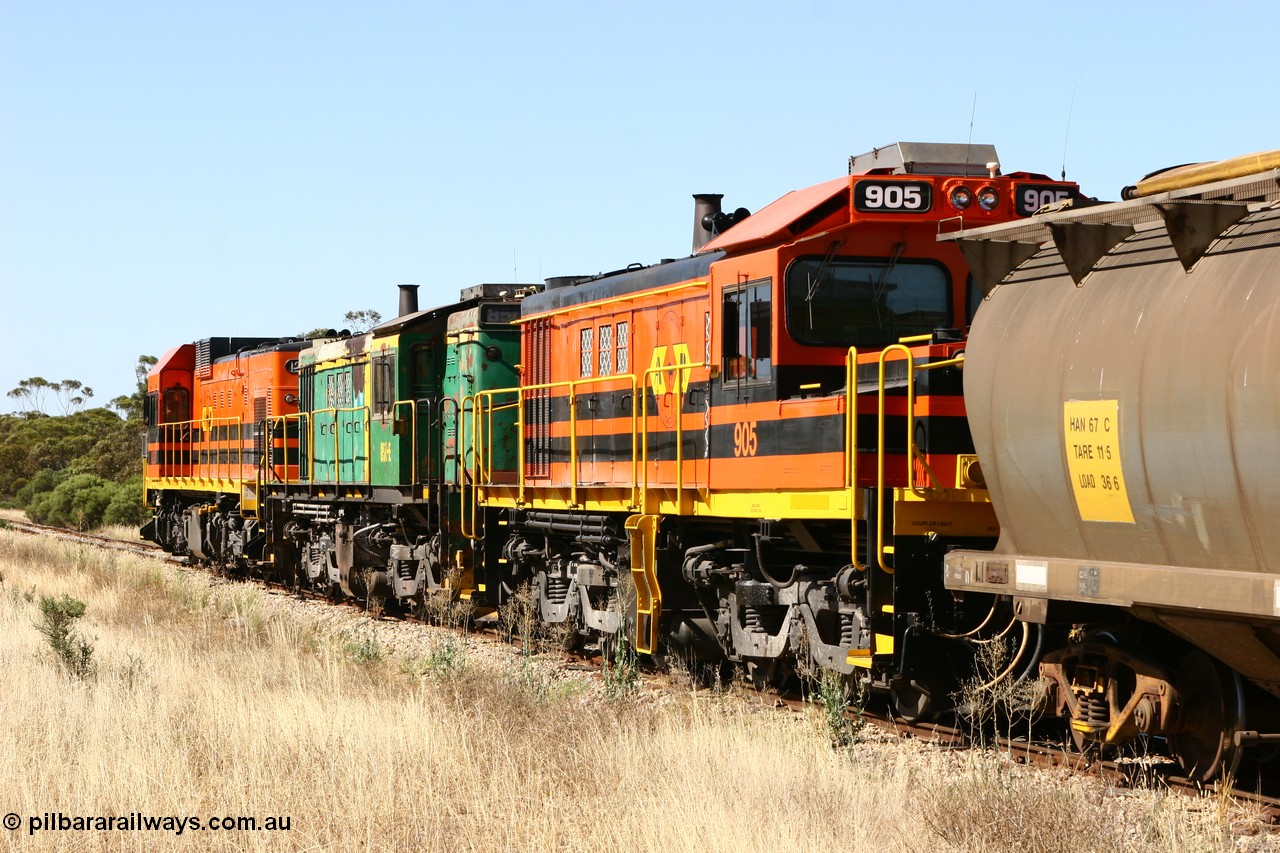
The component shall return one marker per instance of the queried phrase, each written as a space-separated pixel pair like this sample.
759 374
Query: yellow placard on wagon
1091 435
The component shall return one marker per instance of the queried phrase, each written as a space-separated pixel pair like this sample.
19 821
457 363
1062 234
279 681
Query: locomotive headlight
988 198
961 198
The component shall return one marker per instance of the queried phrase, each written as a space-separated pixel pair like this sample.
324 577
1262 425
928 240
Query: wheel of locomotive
624 604
911 700
1213 711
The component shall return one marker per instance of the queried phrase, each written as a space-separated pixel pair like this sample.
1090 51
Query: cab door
390 437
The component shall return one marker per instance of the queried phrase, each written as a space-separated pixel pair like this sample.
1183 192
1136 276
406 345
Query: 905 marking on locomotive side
746 442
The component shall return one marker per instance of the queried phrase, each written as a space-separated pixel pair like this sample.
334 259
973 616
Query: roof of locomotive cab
181 357
779 220
472 296
255 346
395 324
619 283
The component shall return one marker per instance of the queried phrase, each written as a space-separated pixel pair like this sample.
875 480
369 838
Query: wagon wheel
770 675
418 607
1090 751
1213 711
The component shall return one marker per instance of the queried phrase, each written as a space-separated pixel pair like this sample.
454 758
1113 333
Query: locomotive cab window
177 405
384 384
865 302
422 371
748 332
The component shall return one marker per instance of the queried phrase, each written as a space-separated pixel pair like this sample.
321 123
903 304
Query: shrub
126 506
80 501
74 652
43 482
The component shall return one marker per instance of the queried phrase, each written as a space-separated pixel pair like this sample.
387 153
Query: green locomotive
384 438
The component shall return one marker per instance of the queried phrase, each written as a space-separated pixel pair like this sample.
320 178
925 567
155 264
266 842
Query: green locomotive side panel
482 356
339 445
333 444
391 412
405 423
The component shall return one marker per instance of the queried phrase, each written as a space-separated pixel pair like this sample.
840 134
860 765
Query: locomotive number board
1028 198
892 197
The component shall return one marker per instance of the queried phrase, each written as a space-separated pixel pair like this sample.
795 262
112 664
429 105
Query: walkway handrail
881 549
679 386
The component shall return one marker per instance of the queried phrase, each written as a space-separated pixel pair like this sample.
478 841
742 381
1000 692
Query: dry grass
123 532
211 700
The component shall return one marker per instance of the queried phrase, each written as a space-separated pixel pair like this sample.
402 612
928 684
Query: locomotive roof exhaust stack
705 208
408 299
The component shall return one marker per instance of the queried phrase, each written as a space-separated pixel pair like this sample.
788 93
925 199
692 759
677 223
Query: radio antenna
974 111
1067 135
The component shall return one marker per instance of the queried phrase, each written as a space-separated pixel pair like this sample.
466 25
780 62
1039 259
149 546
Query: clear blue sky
176 170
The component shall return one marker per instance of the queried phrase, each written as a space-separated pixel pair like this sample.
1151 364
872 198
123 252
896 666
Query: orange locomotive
206 411
692 469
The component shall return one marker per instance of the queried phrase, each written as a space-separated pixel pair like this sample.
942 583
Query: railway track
1131 772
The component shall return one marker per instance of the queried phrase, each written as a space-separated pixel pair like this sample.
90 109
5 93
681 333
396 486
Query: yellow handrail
337 461
477 466
212 470
465 470
957 361
880 454
521 391
480 462
282 422
413 433
851 448
912 451
679 386
573 431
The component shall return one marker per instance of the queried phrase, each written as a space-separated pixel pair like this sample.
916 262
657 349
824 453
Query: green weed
74 653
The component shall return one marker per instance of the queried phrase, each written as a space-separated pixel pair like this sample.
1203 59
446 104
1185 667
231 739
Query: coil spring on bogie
1095 710
848 631
556 590
763 620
